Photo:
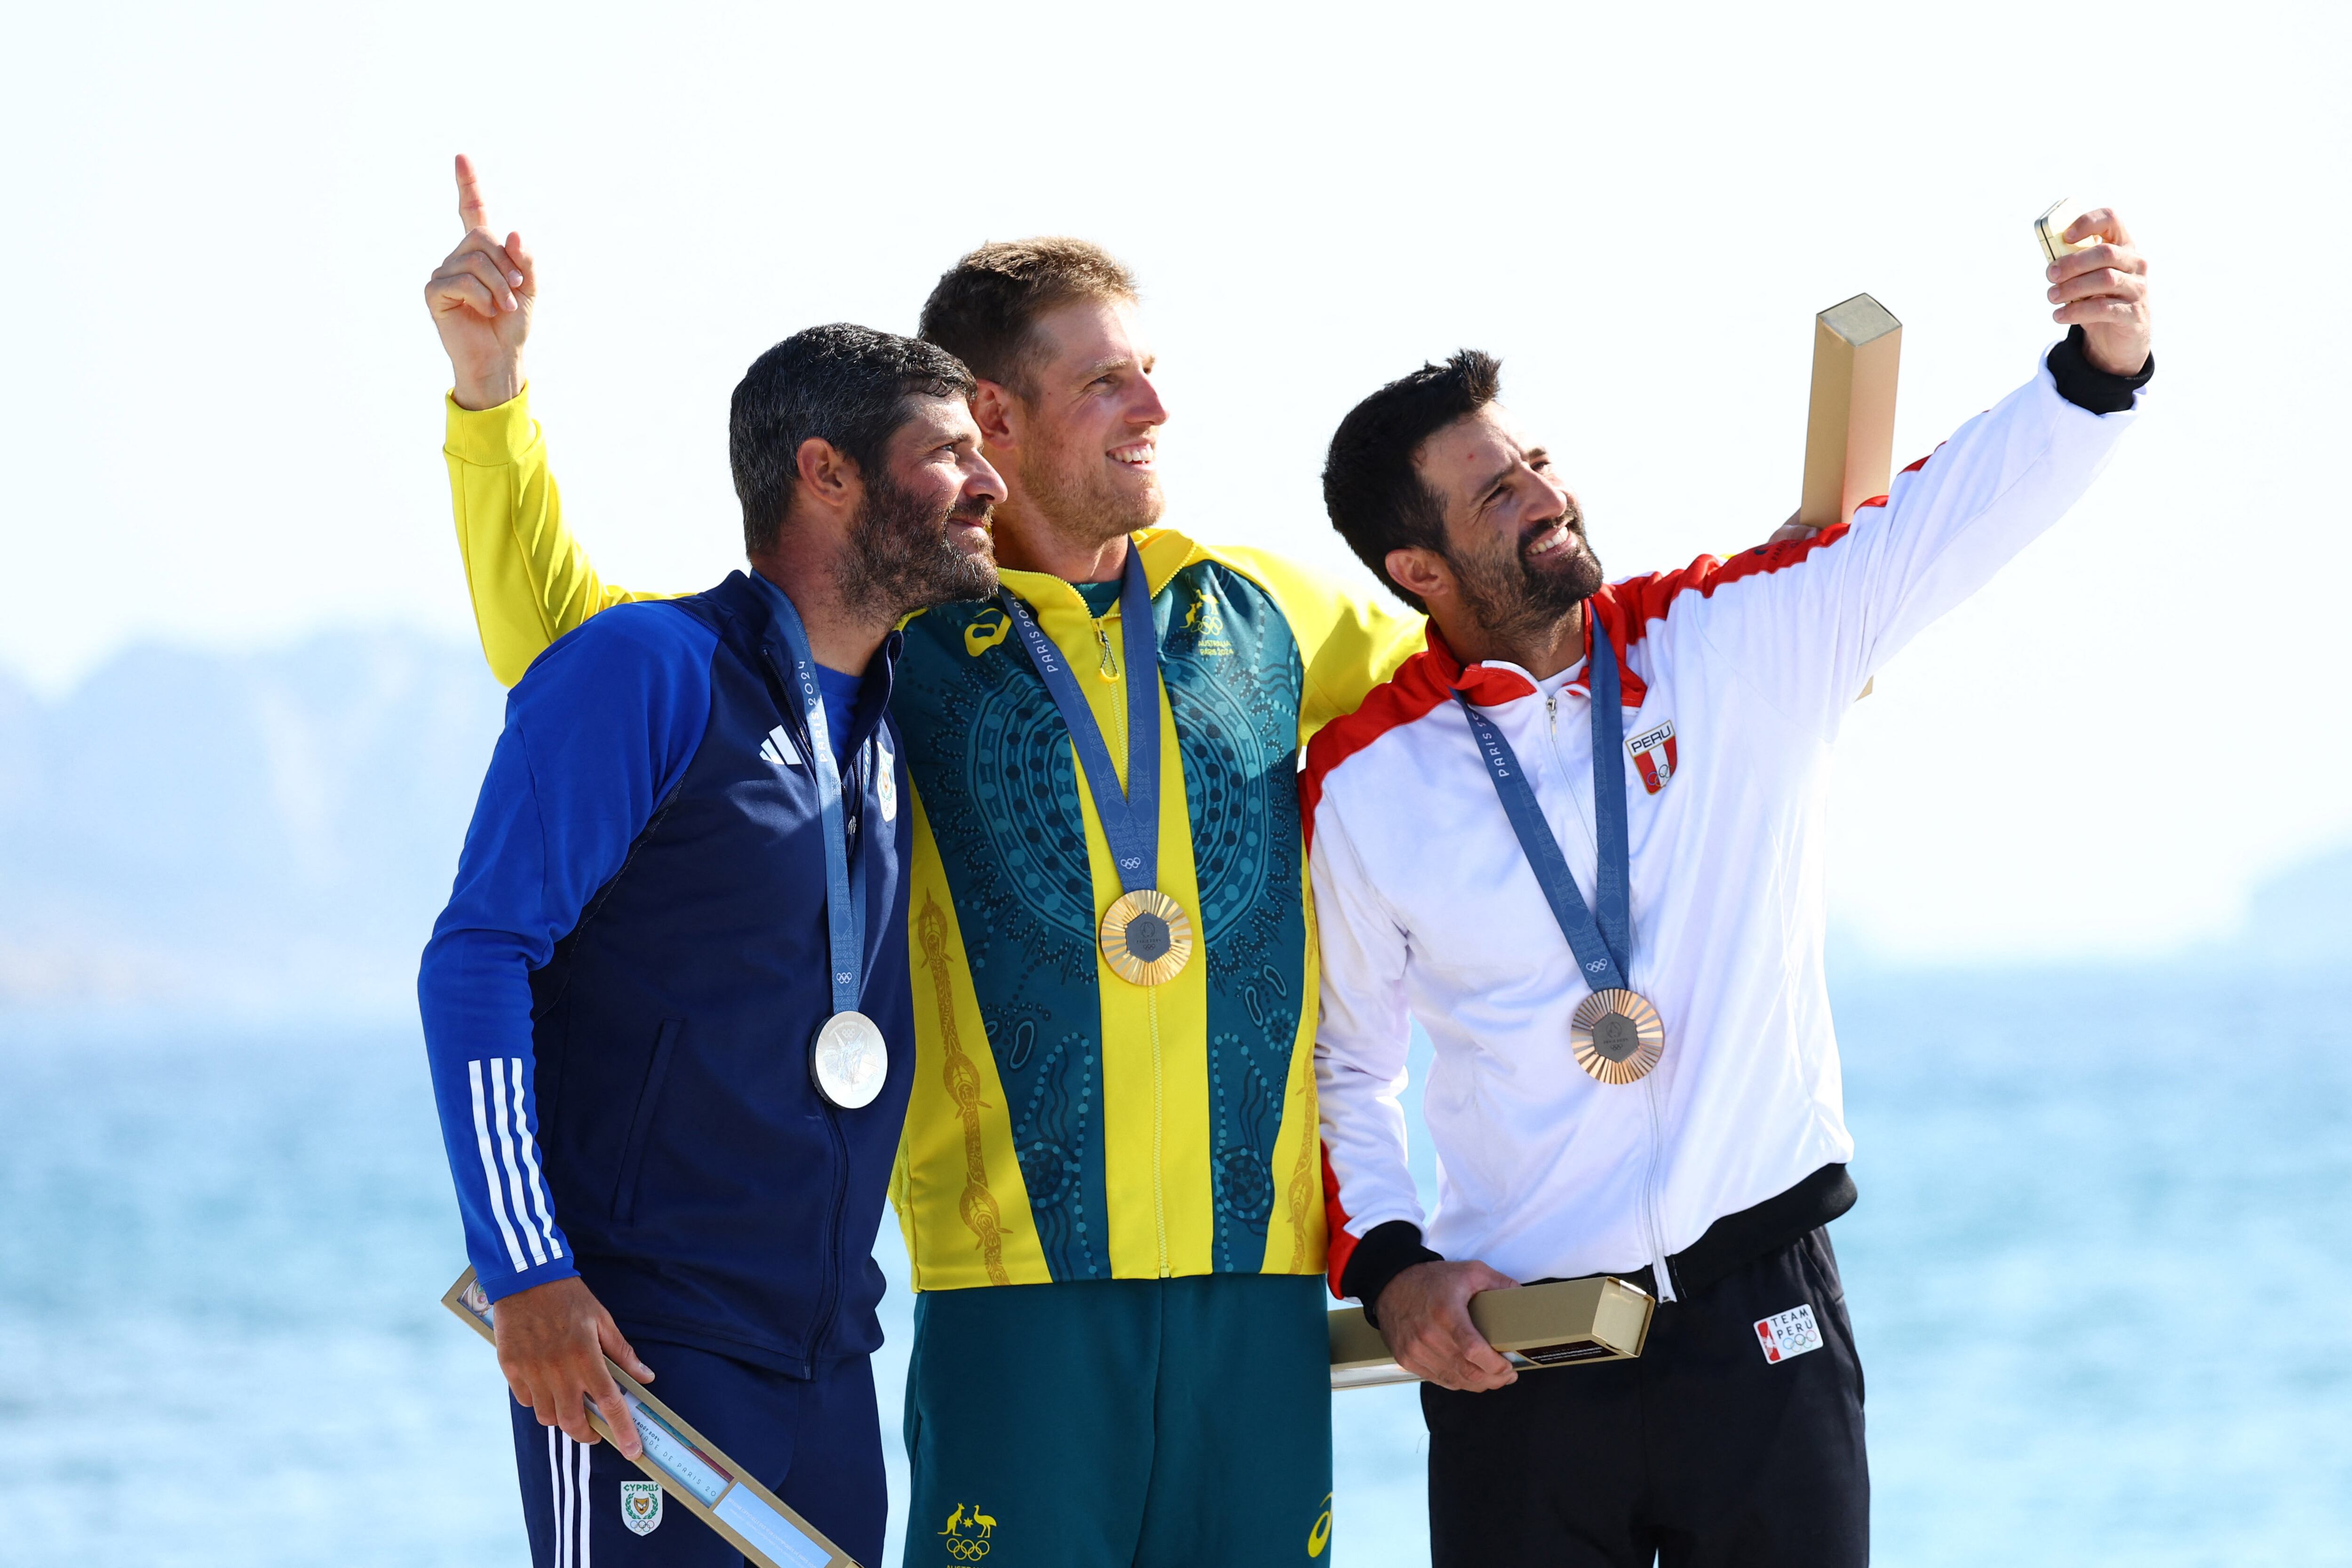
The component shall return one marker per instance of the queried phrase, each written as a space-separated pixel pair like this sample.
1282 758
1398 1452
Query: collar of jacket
1166 552
1494 682
749 626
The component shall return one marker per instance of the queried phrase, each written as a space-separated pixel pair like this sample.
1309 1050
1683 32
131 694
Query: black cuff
1384 1253
2085 385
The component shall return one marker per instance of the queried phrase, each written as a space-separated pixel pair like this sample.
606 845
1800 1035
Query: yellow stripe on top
958 1157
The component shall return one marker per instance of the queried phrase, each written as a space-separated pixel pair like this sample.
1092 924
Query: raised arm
1809 620
530 580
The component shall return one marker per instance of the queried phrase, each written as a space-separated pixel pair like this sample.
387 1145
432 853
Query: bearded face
908 553
1518 585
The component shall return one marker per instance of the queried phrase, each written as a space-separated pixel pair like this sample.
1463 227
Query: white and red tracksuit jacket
1736 677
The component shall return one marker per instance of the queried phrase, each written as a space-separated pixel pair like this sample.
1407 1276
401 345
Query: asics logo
980 636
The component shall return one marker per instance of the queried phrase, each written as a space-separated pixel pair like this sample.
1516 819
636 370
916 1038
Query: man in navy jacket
621 1000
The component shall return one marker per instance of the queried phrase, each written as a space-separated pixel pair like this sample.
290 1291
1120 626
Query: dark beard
900 558
1518 602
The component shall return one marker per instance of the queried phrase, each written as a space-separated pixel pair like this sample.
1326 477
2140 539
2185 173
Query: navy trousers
816 1443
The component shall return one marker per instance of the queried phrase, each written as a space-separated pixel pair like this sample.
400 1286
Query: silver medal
849 1060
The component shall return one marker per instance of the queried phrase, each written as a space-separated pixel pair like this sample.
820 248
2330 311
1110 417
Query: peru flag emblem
1653 754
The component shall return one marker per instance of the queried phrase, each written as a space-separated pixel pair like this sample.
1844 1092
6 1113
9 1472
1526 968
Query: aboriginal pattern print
1234 677
993 762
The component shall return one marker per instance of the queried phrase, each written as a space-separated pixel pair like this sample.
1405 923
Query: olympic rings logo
965 1550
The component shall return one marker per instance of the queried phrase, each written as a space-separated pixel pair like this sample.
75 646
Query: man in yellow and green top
1111 1192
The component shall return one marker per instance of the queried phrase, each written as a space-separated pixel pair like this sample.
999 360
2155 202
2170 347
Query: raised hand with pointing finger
481 298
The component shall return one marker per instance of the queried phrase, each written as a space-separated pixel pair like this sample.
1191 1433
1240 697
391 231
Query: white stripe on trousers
490 1166
556 1469
567 1486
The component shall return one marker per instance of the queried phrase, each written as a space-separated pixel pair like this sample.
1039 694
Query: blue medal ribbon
845 886
1130 820
1603 947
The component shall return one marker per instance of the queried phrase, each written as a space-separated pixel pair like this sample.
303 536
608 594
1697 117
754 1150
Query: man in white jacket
1608 916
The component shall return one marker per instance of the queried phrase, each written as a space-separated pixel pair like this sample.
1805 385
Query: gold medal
1617 1036
1147 937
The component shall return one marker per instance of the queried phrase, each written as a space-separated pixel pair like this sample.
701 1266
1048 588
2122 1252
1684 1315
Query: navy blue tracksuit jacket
620 998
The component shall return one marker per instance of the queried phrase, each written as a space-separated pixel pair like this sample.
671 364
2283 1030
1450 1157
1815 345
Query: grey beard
900 558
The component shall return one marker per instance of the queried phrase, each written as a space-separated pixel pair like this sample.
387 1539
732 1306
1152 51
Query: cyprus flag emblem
641 1505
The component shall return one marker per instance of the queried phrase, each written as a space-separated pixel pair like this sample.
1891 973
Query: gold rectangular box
1565 1322
690 1468
1850 433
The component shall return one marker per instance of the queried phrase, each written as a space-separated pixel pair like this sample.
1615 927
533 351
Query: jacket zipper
820 1329
1652 1233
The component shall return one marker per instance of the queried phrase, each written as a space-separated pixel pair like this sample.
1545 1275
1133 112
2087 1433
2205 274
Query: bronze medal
1617 1036
1147 937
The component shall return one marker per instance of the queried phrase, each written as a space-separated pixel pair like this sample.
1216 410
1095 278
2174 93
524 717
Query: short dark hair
983 308
1377 500
847 385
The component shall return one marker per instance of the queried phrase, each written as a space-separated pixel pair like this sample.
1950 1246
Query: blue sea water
2101 1275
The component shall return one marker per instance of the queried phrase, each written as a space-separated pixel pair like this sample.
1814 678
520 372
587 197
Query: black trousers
1705 1452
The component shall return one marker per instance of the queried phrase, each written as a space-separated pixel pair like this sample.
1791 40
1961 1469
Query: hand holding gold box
1561 1322
2051 227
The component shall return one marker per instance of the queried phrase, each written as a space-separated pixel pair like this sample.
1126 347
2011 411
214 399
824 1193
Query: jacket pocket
633 1150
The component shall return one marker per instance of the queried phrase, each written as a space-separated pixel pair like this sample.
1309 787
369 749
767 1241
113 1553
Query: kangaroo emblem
963 1545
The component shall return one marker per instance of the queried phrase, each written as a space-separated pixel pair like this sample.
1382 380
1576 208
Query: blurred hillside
265 834
273 833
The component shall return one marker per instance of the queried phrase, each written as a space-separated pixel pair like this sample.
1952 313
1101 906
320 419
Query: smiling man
1578 839
1111 1184
666 1008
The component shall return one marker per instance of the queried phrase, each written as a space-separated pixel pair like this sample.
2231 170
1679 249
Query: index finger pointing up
472 212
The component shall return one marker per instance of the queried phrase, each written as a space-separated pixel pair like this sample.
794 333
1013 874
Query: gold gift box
1849 428
1566 1323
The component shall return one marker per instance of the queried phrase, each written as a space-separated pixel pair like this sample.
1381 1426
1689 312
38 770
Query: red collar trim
1491 685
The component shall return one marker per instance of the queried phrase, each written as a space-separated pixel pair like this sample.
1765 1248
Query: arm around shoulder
1349 640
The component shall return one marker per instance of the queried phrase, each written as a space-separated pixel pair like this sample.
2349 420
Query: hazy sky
224 419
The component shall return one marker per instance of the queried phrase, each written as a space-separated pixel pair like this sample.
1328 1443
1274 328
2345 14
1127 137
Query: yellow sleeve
1350 641
530 580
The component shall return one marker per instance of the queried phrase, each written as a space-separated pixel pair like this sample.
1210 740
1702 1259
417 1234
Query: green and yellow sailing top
1065 1125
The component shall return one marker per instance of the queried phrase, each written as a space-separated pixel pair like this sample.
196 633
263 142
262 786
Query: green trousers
1150 1423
